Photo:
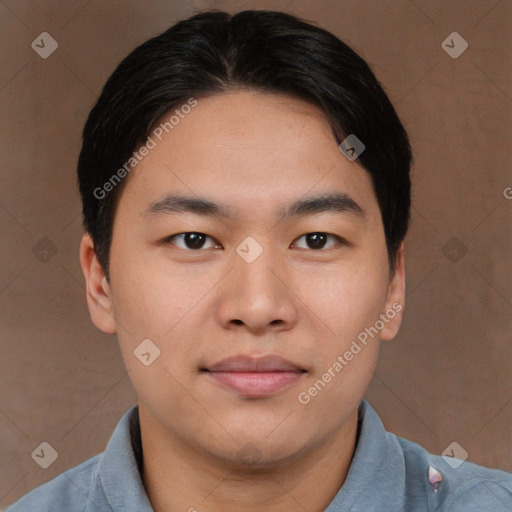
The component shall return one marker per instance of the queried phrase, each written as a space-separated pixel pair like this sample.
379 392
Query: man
246 194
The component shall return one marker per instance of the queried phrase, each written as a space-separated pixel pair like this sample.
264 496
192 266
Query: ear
97 289
395 301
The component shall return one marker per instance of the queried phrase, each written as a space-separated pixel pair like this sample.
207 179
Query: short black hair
214 52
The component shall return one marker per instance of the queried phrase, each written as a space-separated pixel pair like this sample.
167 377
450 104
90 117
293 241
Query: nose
258 296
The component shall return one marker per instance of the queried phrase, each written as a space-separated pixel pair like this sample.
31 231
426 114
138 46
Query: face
266 269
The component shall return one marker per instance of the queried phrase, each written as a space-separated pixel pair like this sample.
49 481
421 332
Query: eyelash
339 240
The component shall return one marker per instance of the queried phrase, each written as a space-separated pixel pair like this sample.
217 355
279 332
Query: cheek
150 294
152 306
154 300
348 303
348 300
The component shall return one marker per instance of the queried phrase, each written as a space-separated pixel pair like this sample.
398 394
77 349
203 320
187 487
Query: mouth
254 377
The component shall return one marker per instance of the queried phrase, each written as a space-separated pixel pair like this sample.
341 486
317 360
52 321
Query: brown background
446 377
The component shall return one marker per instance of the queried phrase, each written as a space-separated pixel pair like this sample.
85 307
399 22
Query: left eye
317 240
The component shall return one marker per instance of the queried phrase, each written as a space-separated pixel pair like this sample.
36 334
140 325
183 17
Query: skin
255 152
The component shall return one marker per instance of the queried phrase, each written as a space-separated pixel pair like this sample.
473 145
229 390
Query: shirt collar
376 477
118 485
376 474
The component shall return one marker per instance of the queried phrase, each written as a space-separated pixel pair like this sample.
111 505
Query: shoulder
67 492
464 486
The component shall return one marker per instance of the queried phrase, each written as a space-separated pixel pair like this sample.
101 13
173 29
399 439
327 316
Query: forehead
250 149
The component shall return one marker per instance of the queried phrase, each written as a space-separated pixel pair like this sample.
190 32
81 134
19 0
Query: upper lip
244 363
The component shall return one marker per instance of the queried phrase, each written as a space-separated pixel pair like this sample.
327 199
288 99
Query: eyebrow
325 203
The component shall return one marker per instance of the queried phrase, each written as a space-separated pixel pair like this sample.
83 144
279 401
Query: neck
178 476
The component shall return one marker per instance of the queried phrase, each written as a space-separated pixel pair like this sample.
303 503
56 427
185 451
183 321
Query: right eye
192 240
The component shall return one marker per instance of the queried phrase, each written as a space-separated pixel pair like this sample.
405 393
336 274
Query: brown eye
318 240
191 240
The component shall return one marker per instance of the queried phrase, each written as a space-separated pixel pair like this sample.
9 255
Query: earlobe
395 302
98 292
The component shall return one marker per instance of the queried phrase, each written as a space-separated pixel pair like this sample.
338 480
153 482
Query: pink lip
255 377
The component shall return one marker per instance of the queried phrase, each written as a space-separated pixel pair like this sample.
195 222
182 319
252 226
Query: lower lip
254 384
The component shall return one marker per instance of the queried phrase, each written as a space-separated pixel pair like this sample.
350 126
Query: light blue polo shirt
387 474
